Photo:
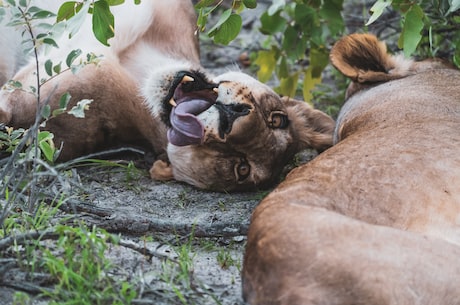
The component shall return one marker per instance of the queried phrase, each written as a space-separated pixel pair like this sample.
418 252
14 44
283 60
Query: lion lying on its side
376 218
224 133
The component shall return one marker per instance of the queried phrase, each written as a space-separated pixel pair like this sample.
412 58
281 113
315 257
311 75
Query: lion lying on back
376 218
224 133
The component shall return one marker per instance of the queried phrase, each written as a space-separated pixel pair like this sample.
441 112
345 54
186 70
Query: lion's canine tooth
187 79
216 90
172 102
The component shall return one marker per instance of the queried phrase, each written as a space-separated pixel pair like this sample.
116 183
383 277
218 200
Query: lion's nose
228 113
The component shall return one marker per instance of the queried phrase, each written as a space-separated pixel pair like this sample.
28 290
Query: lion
226 132
375 219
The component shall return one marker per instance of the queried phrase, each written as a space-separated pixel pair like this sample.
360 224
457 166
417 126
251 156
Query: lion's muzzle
228 113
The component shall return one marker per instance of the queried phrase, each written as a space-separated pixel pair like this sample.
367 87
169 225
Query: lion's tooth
172 102
187 79
216 90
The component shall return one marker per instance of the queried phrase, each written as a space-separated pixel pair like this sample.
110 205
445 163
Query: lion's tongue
186 128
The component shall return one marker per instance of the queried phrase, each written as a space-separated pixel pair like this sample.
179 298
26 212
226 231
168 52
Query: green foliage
225 259
298 32
10 138
33 144
428 27
102 18
229 24
78 263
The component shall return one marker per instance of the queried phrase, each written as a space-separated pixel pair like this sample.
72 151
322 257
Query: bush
300 34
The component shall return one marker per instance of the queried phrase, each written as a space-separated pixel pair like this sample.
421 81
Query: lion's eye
278 120
242 170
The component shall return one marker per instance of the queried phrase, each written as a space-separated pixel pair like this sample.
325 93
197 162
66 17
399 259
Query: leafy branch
229 24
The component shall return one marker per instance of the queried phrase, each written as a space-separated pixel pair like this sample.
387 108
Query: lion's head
231 132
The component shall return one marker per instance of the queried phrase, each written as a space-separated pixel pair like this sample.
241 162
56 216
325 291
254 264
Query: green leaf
229 29
271 24
72 56
75 22
64 100
103 22
377 10
49 67
456 58
15 84
319 59
78 110
57 68
411 34
331 13
46 111
276 6
402 5
237 6
67 10
282 68
250 3
294 43
51 42
223 18
202 19
42 14
309 83
288 86
305 16
266 60
57 112
46 144
115 2
204 3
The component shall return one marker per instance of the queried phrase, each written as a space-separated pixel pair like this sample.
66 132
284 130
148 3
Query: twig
26 286
22 238
143 250
52 235
98 155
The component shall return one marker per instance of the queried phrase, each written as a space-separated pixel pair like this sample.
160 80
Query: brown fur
131 88
375 218
106 123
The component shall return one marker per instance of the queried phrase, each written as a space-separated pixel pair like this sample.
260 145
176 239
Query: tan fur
161 170
138 74
376 218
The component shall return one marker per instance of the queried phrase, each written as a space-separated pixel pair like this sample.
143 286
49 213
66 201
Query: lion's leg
303 255
18 106
117 115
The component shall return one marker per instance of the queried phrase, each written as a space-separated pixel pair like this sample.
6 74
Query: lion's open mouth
192 94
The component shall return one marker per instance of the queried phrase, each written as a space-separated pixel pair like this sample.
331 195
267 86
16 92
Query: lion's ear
161 171
310 127
364 59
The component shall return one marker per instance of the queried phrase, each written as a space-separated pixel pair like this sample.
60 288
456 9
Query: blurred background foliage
300 33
